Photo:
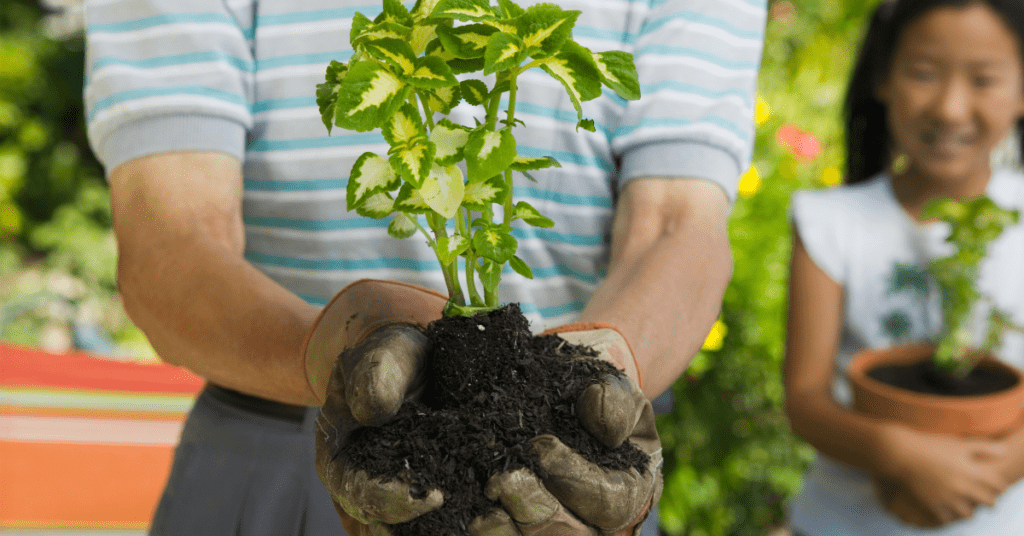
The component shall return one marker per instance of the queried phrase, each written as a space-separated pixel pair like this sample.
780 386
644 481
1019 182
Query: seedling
974 224
401 79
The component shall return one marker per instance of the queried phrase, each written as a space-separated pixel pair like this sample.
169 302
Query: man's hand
576 495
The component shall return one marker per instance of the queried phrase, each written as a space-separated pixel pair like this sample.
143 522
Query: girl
938 84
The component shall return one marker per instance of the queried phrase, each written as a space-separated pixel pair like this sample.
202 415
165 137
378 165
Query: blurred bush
57 251
731 460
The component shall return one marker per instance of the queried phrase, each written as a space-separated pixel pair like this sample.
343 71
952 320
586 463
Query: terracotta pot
972 416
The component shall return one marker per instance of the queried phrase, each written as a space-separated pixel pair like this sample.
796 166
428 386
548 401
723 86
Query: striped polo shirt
239 77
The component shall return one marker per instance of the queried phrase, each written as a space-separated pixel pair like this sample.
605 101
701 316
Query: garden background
731 460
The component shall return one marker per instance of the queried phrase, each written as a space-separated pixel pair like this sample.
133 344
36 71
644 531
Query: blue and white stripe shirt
239 77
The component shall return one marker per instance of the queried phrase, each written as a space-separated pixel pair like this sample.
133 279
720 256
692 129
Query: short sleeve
697 61
817 219
168 75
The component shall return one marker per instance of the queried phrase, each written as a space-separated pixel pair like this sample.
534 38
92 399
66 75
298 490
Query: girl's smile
955 89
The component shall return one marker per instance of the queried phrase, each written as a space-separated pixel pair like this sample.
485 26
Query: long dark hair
868 141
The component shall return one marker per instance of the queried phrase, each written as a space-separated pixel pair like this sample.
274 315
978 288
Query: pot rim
866 358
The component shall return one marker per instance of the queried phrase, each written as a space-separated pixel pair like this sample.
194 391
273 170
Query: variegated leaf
369 96
360 25
618 73
501 25
410 201
327 92
481 195
423 8
405 127
443 190
370 175
394 52
395 11
464 10
413 162
524 211
421 36
474 91
460 66
544 28
442 99
449 139
527 163
431 72
504 51
575 68
509 9
520 266
490 274
467 41
381 30
402 226
489 153
495 241
377 206
448 248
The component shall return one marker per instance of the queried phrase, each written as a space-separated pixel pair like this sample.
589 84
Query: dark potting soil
492 387
923 377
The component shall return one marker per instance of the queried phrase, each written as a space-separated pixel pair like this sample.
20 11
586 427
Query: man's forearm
186 284
670 266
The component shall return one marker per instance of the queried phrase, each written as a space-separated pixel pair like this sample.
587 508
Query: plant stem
449 271
464 230
510 122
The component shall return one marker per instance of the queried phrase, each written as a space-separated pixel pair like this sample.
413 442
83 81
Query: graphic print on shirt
907 292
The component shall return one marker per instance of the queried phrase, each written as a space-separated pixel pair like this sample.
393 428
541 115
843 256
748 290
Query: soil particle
492 386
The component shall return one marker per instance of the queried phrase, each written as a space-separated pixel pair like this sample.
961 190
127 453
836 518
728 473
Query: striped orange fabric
86 442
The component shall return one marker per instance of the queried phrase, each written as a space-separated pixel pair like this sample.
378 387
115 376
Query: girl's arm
948 475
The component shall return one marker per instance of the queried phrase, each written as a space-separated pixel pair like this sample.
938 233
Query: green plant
974 224
402 74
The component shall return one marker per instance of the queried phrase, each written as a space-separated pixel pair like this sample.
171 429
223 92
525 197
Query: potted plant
452 184
951 385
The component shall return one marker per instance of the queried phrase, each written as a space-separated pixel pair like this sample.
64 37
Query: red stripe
31 367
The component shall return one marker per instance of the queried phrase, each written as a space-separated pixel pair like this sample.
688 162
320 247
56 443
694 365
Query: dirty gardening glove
578 497
365 357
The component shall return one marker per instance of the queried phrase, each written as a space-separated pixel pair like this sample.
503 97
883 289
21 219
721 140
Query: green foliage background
731 461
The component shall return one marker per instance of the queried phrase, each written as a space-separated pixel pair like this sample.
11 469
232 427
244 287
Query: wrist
890 445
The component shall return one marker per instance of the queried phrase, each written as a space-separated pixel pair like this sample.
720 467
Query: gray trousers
244 467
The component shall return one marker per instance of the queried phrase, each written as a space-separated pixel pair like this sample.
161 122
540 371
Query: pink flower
803 144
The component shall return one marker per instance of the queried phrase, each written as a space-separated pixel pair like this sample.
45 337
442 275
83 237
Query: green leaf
495 241
575 68
443 190
327 92
431 72
368 97
395 52
544 28
411 152
421 36
504 51
489 153
489 273
448 248
509 9
586 124
423 8
377 206
464 10
524 211
370 175
526 163
410 200
402 226
360 25
481 195
520 267
381 30
474 91
450 139
394 11
618 73
442 99
460 66
465 42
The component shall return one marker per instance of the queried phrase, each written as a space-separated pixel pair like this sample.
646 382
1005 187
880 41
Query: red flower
803 144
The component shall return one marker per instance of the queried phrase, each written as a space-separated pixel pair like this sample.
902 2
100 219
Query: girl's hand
945 476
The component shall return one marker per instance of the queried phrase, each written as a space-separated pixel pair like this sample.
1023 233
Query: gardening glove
577 497
364 357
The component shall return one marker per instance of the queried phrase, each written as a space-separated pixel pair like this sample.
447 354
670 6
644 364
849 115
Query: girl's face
955 89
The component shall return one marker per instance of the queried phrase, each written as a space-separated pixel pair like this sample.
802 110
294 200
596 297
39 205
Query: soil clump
492 386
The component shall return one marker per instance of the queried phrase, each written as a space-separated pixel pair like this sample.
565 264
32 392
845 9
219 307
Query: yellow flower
831 176
750 182
762 112
715 337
